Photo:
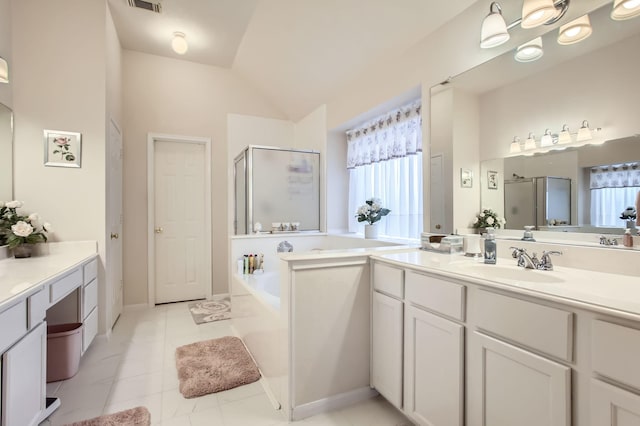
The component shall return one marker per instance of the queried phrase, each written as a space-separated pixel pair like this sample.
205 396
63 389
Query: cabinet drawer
89 329
539 327
37 308
388 279
14 325
433 293
65 285
90 271
90 297
615 351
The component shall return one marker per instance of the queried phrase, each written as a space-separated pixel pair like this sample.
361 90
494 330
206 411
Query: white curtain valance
393 135
615 176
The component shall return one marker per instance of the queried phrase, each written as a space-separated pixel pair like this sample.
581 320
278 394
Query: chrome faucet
532 262
545 260
608 241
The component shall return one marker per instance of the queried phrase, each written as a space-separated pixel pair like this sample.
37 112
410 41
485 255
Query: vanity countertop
20 278
608 293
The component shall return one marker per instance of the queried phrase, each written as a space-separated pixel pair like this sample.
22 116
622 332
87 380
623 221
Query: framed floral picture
466 178
492 179
62 149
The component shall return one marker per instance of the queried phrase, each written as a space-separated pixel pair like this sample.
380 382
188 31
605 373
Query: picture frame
62 149
466 178
492 179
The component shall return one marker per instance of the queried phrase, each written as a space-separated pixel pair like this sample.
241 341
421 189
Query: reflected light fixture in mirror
494 29
625 9
530 51
514 148
547 139
584 133
564 136
575 31
4 71
537 12
530 143
179 43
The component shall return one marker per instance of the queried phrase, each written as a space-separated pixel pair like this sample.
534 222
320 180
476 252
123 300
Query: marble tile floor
135 366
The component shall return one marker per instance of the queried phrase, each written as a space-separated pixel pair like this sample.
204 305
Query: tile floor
136 367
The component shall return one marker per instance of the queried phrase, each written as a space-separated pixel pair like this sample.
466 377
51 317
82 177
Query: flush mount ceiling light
584 133
515 145
564 136
625 9
538 12
575 31
179 43
530 143
530 51
494 29
4 71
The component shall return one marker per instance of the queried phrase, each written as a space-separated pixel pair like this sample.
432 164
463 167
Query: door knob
159 230
114 236
438 226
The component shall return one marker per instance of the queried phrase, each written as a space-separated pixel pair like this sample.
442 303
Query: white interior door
114 256
436 201
181 253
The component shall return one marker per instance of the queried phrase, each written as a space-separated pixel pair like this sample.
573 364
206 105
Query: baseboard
332 403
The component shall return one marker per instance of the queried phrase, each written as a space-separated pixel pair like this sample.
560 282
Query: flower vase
480 230
371 231
23 251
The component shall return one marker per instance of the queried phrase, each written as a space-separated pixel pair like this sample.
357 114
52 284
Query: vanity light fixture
530 51
584 133
4 71
494 29
179 43
530 143
575 31
547 139
564 136
538 12
515 146
625 9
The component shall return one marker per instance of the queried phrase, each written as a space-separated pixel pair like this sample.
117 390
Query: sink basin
510 273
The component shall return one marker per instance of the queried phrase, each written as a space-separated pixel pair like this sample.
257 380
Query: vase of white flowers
21 232
371 212
487 218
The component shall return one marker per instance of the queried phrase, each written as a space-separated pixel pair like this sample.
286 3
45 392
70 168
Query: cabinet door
434 369
24 379
386 350
514 387
612 406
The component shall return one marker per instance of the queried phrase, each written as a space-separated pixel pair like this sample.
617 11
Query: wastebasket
64 343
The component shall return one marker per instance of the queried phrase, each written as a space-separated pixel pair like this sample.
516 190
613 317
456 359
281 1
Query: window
385 161
613 189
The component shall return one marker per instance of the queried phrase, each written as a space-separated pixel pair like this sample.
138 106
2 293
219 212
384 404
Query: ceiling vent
146 5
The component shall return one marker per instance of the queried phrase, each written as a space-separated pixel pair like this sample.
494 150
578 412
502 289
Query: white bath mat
210 310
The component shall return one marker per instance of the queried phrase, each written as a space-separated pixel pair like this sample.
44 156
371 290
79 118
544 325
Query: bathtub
263 304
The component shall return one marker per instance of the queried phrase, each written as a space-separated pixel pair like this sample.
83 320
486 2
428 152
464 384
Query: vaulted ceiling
298 53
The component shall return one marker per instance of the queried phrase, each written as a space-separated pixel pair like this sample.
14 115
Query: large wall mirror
555 187
6 153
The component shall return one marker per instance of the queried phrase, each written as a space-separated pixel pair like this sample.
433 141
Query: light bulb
179 43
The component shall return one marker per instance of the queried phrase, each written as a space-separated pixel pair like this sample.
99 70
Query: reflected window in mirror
6 158
384 159
615 190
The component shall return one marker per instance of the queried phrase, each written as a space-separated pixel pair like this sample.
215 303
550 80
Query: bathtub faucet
285 247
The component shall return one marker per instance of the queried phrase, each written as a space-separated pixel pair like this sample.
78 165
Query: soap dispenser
627 239
490 247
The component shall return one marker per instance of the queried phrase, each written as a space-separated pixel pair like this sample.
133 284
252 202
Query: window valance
615 176
392 135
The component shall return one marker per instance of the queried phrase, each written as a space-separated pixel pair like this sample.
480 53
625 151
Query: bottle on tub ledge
251 264
490 247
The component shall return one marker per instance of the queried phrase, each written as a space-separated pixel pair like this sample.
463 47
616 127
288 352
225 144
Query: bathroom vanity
457 342
59 285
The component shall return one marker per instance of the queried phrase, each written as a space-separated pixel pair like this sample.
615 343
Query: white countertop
603 292
20 278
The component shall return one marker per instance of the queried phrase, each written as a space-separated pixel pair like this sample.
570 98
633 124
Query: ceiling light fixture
575 31
530 143
625 9
530 51
564 136
4 71
584 133
494 29
515 146
179 43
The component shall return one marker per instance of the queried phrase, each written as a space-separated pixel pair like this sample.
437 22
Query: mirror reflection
573 183
6 156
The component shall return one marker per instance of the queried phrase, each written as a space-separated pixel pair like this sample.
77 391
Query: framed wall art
62 149
466 178
492 179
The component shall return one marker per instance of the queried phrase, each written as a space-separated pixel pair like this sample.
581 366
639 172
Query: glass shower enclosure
276 185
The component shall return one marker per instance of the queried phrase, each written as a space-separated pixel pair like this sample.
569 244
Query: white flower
475 220
34 217
490 220
15 204
364 210
47 227
22 229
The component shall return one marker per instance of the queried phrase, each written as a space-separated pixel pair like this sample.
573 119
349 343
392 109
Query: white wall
6 50
169 96
58 79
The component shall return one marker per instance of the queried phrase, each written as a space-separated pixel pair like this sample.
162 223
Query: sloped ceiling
299 53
